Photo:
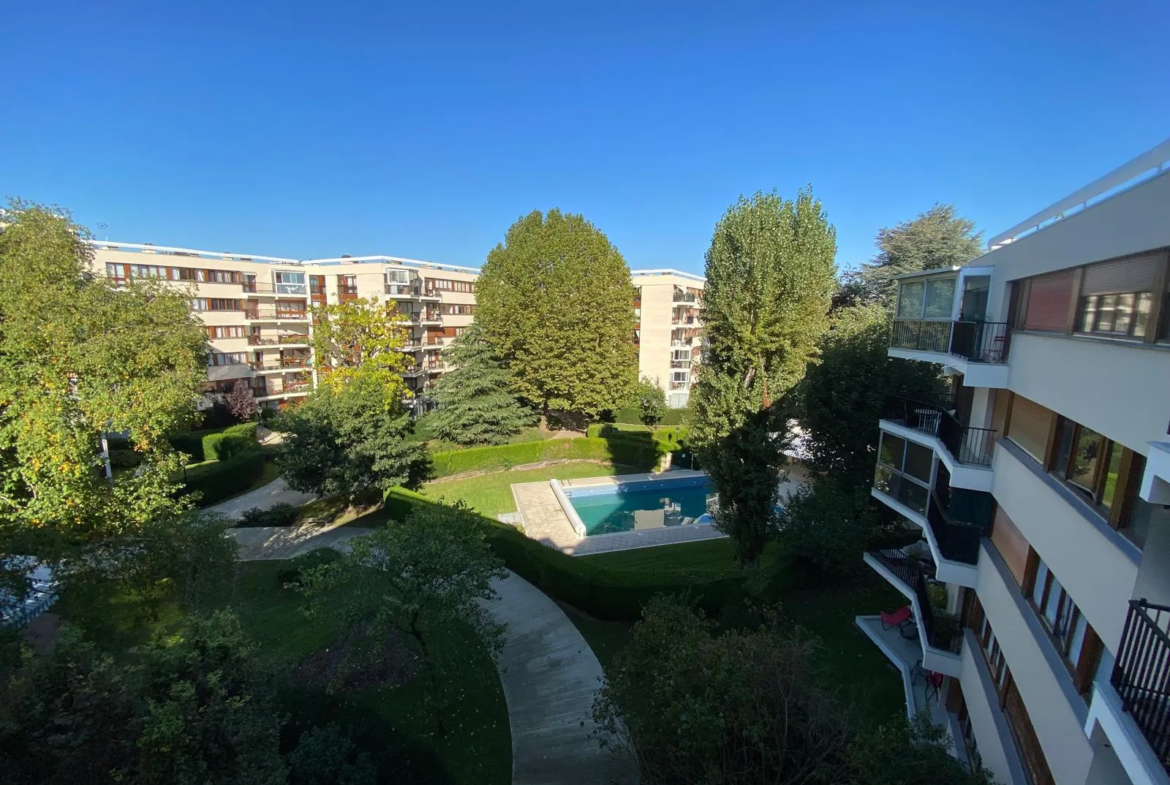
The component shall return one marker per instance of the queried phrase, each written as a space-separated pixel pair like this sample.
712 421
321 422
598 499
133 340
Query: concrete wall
1043 683
987 721
654 348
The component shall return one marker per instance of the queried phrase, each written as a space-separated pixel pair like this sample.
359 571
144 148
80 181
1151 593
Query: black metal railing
917 574
974 341
905 568
964 443
1141 673
957 540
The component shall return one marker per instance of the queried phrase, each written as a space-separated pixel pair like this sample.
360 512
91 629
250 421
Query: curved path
263 497
550 677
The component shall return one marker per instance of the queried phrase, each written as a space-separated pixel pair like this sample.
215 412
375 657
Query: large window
904 471
1070 632
290 283
933 298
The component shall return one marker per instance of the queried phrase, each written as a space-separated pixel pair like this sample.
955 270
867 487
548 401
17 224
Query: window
446 285
904 471
290 283
227 358
451 309
225 332
940 298
910 297
1049 300
1084 459
1120 315
1070 632
1029 425
215 304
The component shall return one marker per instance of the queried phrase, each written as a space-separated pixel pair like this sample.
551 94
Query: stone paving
550 677
260 543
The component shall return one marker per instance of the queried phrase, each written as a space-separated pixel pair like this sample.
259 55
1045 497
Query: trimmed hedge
190 443
195 443
600 591
633 416
229 442
667 435
217 480
641 454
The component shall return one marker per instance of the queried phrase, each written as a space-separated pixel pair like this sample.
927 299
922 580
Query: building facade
668 332
1039 597
257 311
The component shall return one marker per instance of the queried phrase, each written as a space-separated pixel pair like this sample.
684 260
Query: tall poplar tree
556 303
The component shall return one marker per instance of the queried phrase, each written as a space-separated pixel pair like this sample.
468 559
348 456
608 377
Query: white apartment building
1041 488
257 313
257 309
668 332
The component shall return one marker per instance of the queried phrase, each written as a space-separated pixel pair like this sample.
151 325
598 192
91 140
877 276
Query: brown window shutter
1011 544
1030 425
1128 275
1049 302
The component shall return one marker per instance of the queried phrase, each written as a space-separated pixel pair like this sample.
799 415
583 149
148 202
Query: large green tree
359 338
476 401
939 237
79 357
556 302
842 396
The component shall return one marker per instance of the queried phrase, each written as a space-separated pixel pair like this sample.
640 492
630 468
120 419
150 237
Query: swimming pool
641 504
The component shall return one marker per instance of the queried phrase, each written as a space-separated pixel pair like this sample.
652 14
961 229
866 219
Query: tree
433 570
939 237
843 396
556 303
345 439
910 753
80 357
695 706
744 466
826 525
360 337
240 401
476 402
327 756
651 401
769 282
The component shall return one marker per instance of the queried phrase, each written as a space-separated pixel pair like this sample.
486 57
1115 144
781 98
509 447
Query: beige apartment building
1037 604
668 332
257 313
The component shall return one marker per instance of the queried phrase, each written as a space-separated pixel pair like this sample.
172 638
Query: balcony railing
295 338
256 313
979 342
957 540
1141 673
916 574
965 444
684 297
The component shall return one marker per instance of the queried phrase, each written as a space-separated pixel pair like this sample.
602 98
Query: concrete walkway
550 677
262 543
263 497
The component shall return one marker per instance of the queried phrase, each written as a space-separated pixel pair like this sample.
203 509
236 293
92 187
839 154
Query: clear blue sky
424 129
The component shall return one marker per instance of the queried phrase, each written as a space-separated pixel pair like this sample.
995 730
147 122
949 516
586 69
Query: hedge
604 430
194 443
637 453
217 480
229 442
600 591
633 416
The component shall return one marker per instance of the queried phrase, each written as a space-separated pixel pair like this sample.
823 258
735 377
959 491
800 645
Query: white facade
668 306
1055 457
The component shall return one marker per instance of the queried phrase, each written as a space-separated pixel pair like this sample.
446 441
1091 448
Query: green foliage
240 401
79 357
556 303
910 753
736 707
229 442
360 339
190 444
630 416
651 401
327 756
842 396
218 480
640 454
476 403
826 526
769 282
124 459
744 468
345 439
187 709
305 564
939 237
281 514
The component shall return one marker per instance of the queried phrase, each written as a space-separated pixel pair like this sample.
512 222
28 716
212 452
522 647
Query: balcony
966 445
939 633
906 656
399 290
253 287
976 349
262 315
956 540
1141 674
685 298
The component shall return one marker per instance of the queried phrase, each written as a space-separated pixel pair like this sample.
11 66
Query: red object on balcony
897 618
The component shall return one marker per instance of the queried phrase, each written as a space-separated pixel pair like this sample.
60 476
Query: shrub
124 458
230 442
190 444
220 479
298 566
278 515
633 416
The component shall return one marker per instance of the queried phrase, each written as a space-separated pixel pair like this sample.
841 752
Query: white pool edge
567 507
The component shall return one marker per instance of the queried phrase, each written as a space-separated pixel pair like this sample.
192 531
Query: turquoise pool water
643 508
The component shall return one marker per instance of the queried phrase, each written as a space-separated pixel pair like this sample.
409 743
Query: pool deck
542 519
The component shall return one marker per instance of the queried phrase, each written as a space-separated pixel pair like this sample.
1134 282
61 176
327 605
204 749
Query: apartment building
1039 597
668 332
257 309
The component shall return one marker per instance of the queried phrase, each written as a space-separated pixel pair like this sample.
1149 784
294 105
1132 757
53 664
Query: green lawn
422 433
478 746
491 494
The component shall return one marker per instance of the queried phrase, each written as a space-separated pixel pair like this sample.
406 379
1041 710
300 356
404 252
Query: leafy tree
744 466
769 282
826 525
651 401
477 404
79 357
842 397
556 303
433 570
910 753
939 237
345 439
240 401
359 337
738 707
327 756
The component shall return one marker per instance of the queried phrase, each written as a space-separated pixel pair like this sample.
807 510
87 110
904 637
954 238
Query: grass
491 494
422 433
478 746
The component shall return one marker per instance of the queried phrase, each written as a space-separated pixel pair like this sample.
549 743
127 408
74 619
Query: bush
230 442
633 416
298 566
191 444
639 453
278 515
220 479
124 458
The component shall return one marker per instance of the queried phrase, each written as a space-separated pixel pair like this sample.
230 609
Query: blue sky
424 129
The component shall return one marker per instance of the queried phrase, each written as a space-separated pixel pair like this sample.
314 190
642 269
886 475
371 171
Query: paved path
259 543
263 497
550 677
